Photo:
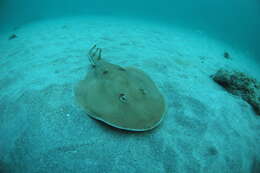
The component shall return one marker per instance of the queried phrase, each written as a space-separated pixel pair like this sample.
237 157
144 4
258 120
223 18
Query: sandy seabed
42 129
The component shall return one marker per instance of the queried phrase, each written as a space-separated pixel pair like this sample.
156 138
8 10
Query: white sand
41 127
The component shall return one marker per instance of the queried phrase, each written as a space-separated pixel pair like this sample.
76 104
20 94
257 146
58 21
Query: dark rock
240 84
226 55
13 36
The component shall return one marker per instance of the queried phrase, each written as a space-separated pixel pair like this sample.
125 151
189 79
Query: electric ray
124 98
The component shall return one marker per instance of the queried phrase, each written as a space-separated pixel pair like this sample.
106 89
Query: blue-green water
235 21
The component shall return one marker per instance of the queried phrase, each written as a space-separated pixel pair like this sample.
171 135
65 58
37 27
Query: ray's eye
105 72
143 91
123 98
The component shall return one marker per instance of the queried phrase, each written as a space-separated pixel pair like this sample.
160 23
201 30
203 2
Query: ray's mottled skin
125 98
